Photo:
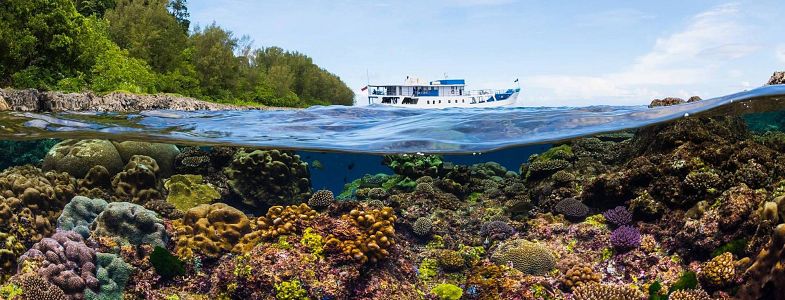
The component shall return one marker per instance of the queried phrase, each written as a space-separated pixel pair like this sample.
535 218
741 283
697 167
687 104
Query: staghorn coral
187 191
422 226
65 261
580 274
321 199
138 182
572 209
618 216
606 292
376 235
528 257
212 230
719 271
77 157
625 238
271 177
79 214
130 223
112 274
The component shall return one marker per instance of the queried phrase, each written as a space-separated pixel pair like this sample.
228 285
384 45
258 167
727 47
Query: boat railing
487 92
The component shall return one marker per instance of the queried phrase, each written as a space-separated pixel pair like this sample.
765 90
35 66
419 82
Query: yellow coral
377 235
284 220
580 274
212 230
719 271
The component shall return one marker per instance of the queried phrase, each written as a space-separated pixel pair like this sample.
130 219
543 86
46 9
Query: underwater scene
679 200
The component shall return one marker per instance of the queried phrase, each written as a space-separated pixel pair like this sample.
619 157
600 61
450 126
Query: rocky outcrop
40 101
777 78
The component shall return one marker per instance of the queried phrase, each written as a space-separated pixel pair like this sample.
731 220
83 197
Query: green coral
313 241
446 291
428 269
10 291
558 152
166 265
112 274
597 220
187 191
687 281
290 290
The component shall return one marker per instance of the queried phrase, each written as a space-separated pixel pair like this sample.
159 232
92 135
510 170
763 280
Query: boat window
428 102
449 101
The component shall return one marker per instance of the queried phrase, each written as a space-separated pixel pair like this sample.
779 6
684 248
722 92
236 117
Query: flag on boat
364 88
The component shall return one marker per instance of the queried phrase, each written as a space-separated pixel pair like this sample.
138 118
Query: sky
565 53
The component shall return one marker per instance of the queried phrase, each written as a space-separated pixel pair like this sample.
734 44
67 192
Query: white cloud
688 57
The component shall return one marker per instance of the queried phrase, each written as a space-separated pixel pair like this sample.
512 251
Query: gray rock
777 78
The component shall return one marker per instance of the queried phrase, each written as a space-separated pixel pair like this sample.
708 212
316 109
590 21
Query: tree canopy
148 46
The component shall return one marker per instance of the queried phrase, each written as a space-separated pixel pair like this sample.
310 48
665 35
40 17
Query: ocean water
604 202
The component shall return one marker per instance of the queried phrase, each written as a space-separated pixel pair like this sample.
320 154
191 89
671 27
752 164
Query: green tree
37 46
94 7
216 65
148 31
179 10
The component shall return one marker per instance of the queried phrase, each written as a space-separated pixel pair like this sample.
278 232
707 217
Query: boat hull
437 102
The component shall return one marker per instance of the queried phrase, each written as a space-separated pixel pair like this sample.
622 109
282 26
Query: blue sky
565 54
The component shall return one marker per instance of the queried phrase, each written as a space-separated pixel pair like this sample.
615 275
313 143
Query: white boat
438 94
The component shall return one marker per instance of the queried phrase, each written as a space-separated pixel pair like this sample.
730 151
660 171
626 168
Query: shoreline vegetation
149 48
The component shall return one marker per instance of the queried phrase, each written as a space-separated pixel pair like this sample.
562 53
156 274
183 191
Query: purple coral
66 262
618 216
626 238
496 230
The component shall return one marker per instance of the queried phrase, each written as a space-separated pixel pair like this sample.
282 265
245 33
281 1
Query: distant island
149 47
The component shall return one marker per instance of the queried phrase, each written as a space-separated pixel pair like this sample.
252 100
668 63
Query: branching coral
138 182
212 230
281 220
376 235
271 177
130 223
618 216
65 261
626 238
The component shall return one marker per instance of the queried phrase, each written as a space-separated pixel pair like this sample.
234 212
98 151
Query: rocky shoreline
43 101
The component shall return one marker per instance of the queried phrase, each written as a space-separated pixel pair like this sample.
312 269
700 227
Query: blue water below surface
380 129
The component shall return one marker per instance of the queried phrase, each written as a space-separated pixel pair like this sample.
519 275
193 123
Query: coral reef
321 199
130 223
606 291
188 191
163 154
79 214
374 238
139 181
112 274
210 230
528 257
65 261
626 238
273 177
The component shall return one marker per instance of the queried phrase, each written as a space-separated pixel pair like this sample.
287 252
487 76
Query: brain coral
188 191
212 230
528 257
76 157
271 177
606 292
572 209
130 224
138 182
65 261
79 214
